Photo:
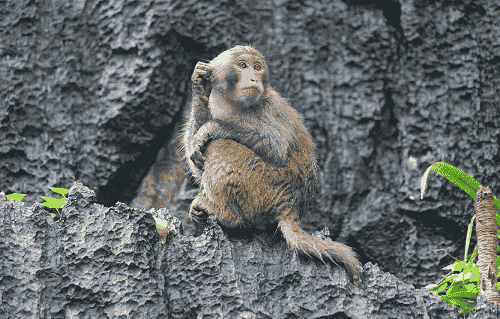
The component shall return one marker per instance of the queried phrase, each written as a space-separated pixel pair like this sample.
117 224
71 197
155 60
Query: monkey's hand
201 80
197 157
208 132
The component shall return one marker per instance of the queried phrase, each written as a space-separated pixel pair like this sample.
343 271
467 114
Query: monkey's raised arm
199 112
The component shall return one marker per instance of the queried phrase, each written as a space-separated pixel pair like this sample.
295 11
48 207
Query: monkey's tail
300 240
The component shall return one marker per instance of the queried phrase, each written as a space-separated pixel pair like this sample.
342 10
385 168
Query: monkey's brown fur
259 167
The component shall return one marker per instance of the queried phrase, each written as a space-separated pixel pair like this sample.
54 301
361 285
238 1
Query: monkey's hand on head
201 80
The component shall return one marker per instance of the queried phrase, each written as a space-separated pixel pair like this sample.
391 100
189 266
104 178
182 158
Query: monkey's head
240 77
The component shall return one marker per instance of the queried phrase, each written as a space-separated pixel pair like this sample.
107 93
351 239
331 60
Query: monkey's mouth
253 89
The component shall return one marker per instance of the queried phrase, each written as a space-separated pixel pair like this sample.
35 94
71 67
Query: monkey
253 155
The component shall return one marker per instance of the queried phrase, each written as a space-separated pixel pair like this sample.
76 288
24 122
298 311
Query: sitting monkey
253 155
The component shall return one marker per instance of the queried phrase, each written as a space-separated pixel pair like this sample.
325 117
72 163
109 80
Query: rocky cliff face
95 91
100 262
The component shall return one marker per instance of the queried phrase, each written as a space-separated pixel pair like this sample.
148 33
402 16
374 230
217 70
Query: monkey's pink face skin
250 69
244 75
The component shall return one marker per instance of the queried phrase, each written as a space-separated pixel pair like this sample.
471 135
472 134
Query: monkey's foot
197 212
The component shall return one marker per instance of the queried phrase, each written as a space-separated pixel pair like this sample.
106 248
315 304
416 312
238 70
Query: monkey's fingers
198 87
198 159
202 71
201 79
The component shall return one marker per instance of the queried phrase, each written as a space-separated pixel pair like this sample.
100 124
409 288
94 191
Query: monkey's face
242 80
249 87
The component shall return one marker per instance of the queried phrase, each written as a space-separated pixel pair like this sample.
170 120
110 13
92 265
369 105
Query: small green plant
57 203
463 279
50 202
16 196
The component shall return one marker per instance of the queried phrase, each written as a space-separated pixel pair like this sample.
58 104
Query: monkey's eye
257 66
242 65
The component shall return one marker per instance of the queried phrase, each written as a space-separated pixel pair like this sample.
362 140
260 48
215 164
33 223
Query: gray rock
99 262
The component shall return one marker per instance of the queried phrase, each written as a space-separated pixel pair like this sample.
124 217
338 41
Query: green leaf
461 174
62 191
459 265
449 171
52 202
16 196
440 288
455 176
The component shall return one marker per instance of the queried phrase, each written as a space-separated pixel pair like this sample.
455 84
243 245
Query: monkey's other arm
213 130
218 129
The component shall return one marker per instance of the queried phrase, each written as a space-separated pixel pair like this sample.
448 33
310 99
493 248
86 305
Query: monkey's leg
232 179
228 214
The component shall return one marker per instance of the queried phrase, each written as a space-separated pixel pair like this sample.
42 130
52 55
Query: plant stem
486 228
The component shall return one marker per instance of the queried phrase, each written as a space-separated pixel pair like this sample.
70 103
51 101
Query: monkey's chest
273 142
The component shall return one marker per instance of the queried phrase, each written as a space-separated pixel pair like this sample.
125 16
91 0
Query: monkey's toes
198 214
